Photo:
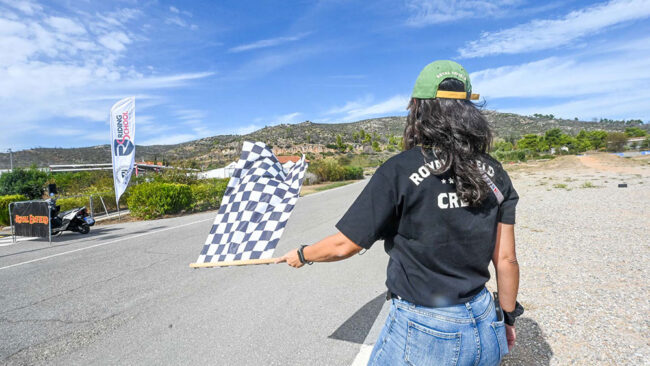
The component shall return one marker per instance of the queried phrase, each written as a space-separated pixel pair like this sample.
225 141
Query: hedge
151 200
331 170
4 206
207 195
68 203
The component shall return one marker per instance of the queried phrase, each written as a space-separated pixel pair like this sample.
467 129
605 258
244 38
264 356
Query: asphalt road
124 294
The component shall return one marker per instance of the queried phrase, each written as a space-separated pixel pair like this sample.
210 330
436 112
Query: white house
225 172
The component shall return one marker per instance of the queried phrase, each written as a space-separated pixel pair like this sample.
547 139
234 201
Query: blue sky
202 68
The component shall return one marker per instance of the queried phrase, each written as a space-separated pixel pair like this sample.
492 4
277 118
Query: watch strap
301 255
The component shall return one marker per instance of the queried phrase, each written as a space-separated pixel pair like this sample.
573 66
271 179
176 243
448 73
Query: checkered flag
255 207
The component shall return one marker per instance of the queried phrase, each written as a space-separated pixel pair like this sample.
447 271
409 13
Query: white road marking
363 356
101 244
8 241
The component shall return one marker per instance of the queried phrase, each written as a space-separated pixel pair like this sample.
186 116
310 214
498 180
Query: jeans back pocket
426 346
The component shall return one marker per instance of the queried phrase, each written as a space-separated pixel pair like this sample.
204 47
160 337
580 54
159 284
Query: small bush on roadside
560 185
4 206
331 170
353 172
207 195
151 200
588 185
68 203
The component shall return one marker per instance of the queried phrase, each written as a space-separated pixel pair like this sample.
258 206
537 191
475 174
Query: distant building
225 172
287 162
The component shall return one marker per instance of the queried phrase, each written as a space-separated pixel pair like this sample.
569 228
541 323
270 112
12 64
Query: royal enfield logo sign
31 219
122 121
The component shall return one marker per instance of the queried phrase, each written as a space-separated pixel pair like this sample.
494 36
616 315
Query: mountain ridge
305 136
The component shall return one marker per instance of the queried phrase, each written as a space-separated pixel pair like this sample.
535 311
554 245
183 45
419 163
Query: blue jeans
463 334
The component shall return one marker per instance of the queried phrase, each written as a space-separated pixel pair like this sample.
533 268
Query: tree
339 143
529 142
634 132
28 182
375 146
554 137
616 141
503 146
645 144
598 138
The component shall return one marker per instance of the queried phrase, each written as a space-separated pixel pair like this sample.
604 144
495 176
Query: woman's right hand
511 335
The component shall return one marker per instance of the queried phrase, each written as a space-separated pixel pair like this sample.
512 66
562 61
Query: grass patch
332 185
588 185
323 187
561 186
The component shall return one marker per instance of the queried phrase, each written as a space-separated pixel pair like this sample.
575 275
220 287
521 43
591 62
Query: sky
205 68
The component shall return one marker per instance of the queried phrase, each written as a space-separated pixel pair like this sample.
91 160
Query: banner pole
119 218
244 262
11 221
49 223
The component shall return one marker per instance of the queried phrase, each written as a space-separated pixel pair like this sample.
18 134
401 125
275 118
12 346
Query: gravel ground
583 253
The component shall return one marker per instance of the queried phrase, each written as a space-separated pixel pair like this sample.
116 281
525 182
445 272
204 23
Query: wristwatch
301 255
509 317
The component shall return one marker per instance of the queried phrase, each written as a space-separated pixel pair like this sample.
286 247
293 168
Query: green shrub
512 155
27 182
331 170
4 206
68 203
73 183
151 200
207 195
353 172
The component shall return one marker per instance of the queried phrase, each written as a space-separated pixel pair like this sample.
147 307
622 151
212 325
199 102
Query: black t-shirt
439 246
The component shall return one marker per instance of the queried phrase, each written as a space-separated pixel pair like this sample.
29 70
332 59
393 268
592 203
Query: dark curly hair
458 134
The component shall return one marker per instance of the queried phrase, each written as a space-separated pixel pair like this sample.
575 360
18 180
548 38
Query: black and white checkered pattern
255 207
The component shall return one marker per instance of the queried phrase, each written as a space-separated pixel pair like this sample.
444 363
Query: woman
445 209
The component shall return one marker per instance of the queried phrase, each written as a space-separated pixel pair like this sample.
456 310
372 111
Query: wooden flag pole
244 262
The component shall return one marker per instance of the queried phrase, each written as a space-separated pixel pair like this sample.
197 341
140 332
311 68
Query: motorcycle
76 220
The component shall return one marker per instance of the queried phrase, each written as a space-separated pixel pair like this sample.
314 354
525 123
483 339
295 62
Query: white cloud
260 122
543 34
27 7
285 118
272 61
426 12
177 18
65 25
365 108
244 130
612 83
267 43
59 70
115 41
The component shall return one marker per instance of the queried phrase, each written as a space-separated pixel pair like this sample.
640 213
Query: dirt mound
602 162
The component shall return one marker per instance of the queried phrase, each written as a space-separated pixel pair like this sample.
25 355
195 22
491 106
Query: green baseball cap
426 85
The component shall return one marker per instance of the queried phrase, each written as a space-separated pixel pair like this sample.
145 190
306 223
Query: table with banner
31 219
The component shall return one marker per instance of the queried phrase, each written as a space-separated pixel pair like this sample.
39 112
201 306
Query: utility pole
11 160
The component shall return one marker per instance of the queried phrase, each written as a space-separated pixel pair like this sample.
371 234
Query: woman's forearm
507 283
332 248
506 266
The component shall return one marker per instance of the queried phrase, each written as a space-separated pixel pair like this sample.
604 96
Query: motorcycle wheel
84 228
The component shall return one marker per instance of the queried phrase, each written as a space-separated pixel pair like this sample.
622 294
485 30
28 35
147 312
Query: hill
292 138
